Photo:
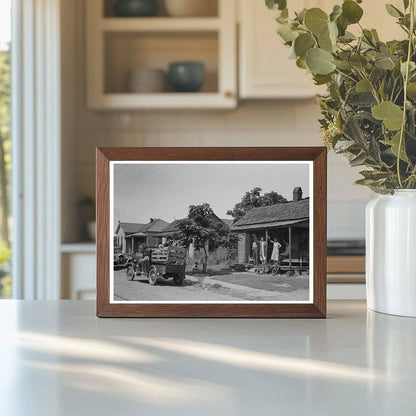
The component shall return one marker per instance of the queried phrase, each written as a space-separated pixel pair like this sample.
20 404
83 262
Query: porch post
290 248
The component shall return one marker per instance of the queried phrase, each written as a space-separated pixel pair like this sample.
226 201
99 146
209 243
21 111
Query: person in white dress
276 250
263 250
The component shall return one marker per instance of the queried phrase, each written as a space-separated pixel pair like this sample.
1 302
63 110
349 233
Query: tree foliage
202 227
254 199
369 113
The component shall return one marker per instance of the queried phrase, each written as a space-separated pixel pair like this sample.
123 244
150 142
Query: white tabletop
56 358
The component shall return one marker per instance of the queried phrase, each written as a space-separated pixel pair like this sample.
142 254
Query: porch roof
300 223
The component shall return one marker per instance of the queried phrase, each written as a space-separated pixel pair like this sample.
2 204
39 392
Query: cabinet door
265 68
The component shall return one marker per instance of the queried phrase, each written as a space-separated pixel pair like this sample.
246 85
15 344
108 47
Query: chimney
151 219
297 194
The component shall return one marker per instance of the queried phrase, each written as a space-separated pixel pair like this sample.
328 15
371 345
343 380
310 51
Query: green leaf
393 11
343 65
358 61
319 61
406 4
358 160
336 12
411 90
343 145
321 79
375 35
301 63
324 42
286 32
351 11
364 181
276 4
363 86
385 63
303 43
391 114
342 25
316 20
347 37
394 145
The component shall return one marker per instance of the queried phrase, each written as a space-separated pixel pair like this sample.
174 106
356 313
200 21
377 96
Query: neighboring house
130 236
123 234
288 222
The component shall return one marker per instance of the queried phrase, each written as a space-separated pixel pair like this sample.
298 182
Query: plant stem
406 80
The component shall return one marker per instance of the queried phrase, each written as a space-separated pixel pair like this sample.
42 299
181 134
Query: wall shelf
159 24
117 46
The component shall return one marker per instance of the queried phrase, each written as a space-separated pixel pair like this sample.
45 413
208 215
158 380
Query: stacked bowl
147 80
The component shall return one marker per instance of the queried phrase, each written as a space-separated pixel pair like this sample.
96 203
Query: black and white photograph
201 232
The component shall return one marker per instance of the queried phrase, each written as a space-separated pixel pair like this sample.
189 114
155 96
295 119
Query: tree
254 199
202 227
4 143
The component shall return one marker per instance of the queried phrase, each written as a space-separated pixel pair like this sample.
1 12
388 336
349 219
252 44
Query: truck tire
130 273
152 275
178 280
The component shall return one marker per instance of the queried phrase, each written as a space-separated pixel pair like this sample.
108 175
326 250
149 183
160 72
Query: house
288 222
123 233
130 236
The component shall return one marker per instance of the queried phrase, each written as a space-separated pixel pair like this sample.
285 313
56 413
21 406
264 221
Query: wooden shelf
116 46
81 247
346 264
159 24
163 101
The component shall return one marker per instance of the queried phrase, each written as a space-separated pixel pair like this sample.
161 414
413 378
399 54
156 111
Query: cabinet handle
228 94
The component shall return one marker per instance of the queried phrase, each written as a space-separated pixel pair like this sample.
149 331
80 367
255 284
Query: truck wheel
130 273
152 276
178 280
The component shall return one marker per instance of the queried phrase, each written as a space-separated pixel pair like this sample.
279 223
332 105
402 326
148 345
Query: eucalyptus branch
406 80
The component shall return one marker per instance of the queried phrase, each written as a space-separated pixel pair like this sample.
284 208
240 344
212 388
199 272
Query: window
5 145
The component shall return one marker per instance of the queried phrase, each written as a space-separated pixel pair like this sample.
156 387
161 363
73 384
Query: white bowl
145 80
191 8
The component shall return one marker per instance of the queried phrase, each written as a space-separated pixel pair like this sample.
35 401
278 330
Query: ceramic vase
391 253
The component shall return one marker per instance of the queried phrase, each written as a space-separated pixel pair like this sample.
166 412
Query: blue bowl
136 8
186 76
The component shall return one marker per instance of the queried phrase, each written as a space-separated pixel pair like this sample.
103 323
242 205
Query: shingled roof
130 227
154 226
285 212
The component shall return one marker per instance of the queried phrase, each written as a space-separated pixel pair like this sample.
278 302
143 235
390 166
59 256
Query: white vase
391 253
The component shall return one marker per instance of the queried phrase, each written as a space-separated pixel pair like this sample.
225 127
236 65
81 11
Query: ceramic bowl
135 8
147 80
186 76
191 8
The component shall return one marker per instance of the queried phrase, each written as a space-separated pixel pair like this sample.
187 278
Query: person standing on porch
255 250
263 250
276 250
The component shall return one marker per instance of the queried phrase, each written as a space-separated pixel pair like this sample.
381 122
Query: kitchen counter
57 358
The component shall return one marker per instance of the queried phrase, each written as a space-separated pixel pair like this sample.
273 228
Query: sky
144 191
5 21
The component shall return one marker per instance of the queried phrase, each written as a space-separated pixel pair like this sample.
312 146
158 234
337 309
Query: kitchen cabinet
265 70
116 46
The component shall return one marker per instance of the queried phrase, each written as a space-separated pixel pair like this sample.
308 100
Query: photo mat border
192 162
316 308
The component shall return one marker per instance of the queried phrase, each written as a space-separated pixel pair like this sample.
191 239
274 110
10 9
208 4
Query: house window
5 148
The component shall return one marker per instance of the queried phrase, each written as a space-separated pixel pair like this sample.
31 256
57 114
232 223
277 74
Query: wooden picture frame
314 308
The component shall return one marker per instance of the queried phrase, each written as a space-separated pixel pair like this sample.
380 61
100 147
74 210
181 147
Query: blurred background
99 73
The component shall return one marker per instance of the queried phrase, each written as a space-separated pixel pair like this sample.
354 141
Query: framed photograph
211 232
